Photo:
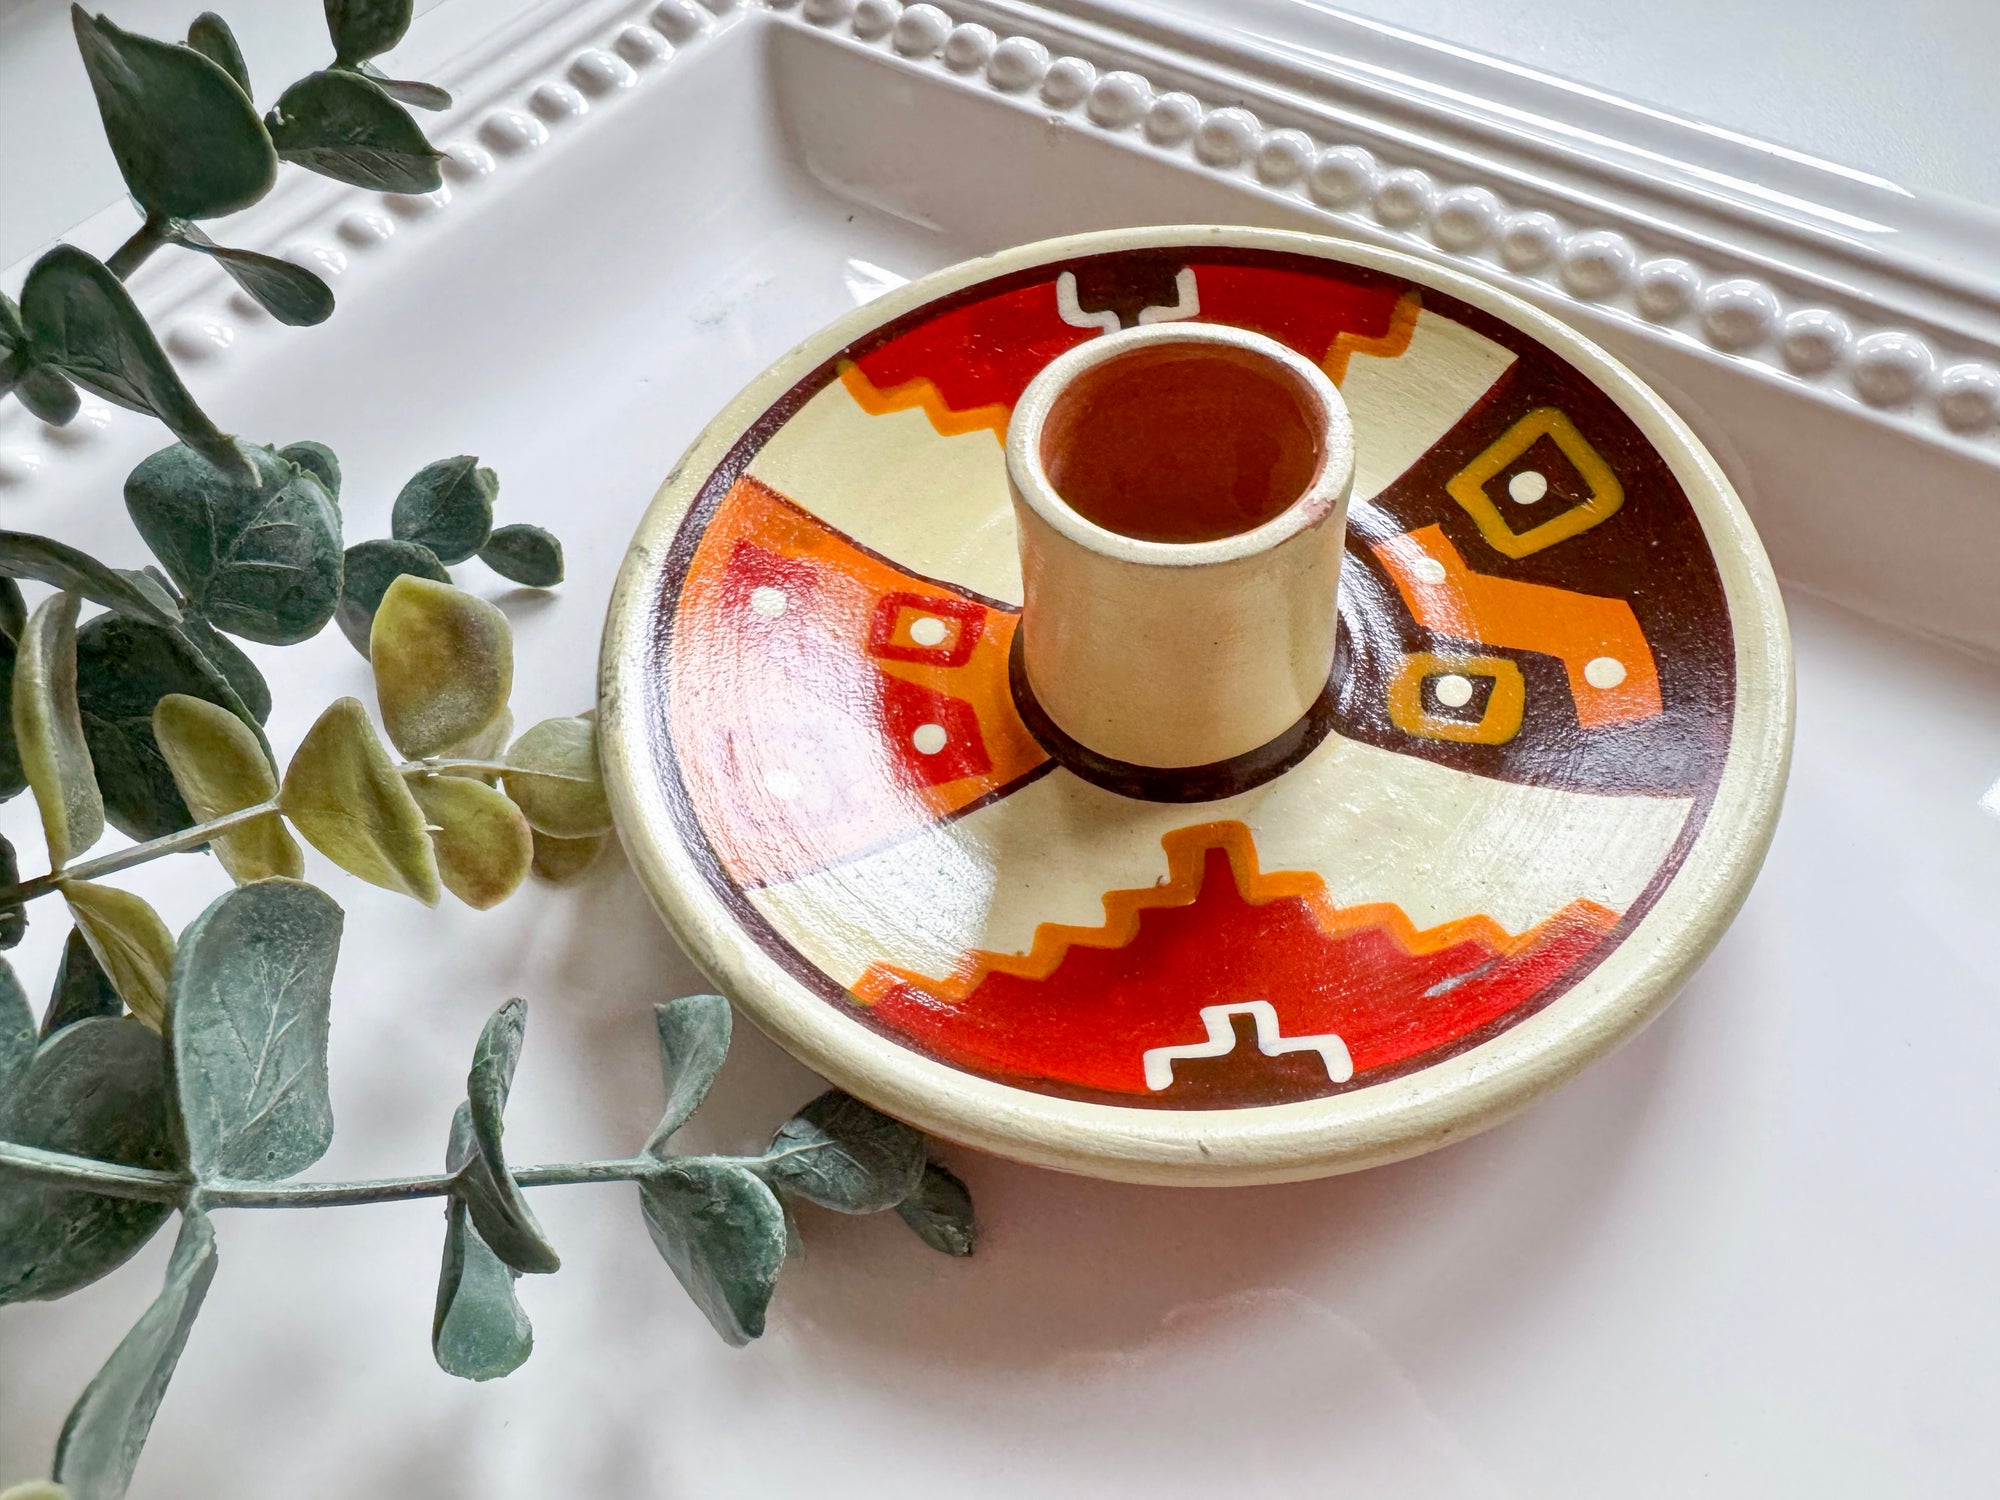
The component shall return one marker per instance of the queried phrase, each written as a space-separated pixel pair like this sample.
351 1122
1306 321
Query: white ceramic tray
1749 1254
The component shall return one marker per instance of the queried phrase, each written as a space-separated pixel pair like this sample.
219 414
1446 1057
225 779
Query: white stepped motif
1221 1041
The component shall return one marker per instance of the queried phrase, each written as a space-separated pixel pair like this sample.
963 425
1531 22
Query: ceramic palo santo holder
1197 705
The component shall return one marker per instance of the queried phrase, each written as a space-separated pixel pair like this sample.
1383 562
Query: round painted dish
1537 785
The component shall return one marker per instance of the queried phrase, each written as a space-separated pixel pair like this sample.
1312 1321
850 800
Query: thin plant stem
110 1179
136 251
440 765
138 854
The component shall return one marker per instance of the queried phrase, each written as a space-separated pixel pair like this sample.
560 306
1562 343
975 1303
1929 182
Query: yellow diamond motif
1468 486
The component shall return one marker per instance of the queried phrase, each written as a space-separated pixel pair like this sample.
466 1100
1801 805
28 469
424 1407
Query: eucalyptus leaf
123 669
484 846
13 919
342 126
211 37
525 554
49 731
83 321
565 861
404 90
843 1155
694 1040
100 1443
253 694
185 133
17 1032
83 991
13 336
220 768
130 941
940 1211
287 291
344 794
60 566
48 395
252 991
479 1331
12 622
553 774
499 1209
96 1089
36 1489
722 1232
370 568
489 744
362 29
448 507
444 664
13 610
260 559
317 460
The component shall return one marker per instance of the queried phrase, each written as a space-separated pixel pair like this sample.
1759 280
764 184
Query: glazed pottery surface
1484 848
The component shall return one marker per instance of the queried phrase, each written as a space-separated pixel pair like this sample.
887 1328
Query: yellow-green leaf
444 664
484 845
560 861
220 768
130 941
49 730
553 775
347 797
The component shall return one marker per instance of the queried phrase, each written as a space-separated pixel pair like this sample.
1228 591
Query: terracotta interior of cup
1182 442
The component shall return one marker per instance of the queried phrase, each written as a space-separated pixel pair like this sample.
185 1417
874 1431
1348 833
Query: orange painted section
1391 345
920 392
1577 629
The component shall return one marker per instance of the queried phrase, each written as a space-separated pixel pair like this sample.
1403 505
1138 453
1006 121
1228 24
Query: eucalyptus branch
106 1178
191 837
137 250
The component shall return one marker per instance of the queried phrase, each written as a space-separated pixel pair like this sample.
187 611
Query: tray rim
1385 1122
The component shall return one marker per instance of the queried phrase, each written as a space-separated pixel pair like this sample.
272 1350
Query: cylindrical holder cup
1181 491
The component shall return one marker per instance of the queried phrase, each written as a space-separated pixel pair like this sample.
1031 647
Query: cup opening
1183 442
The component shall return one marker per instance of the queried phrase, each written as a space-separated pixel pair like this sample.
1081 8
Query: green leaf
370 568
499 1208
97 1089
219 768
444 664
525 554
565 861
290 293
448 507
211 37
260 559
130 941
253 694
185 133
36 1489
123 669
940 1211
404 90
49 396
13 919
362 29
489 744
83 990
17 1032
317 460
554 776
484 846
12 335
722 1232
251 992
346 796
13 610
83 321
694 1040
49 731
63 567
13 621
841 1154
100 1443
479 1331
342 126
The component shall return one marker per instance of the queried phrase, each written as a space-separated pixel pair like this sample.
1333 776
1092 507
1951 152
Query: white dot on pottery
782 784
928 739
1428 570
1452 690
1604 672
928 631
1526 487
768 602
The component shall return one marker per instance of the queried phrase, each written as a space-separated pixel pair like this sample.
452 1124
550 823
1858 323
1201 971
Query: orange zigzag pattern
1389 345
1186 850
924 395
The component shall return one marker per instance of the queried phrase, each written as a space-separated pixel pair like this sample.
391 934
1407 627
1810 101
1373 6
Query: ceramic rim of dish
1401 1116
